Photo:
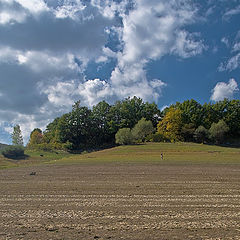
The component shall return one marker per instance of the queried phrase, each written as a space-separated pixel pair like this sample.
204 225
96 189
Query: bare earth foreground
121 201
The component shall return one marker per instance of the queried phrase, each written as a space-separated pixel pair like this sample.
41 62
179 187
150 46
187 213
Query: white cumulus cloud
224 90
47 45
150 31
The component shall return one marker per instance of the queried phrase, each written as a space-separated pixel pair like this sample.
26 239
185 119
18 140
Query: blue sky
53 53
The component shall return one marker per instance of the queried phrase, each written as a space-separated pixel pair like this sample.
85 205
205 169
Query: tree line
132 120
211 122
85 128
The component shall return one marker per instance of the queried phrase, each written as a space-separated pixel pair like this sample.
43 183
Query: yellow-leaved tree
36 137
171 124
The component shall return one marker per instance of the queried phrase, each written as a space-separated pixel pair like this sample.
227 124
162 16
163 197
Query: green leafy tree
210 115
229 111
201 134
142 129
215 112
192 112
50 132
62 131
86 128
76 127
218 131
156 137
17 138
187 132
124 136
81 126
152 113
102 120
128 112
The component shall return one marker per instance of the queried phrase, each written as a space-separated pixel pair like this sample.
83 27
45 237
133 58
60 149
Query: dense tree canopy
97 127
207 114
192 112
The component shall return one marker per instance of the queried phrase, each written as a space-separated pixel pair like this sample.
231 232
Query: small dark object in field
137 186
161 156
56 152
41 155
96 237
33 173
51 229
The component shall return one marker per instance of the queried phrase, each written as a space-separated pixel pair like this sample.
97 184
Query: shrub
149 138
68 146
124 136
158 137
142 129
41 147
201 134
13 152
218 131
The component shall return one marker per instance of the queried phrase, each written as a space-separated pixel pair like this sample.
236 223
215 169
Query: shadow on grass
229 145
23 157
87 150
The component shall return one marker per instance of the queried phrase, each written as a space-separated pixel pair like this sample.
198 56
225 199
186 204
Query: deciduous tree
36 137
201 134
124 136
218 131
17 138
142 129
171 124
187 132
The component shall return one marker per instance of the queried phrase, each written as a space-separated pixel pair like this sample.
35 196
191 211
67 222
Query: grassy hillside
173 153
176 153
32 158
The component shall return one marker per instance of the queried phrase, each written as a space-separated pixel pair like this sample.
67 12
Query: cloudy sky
54 52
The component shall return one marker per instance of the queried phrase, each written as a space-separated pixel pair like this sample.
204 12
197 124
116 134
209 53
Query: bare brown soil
121 201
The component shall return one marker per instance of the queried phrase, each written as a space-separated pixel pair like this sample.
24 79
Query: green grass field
174 153
32 158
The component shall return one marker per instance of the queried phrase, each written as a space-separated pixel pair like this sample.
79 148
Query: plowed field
121 201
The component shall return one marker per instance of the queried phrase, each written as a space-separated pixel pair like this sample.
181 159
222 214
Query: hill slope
150 153
2 146
173 153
